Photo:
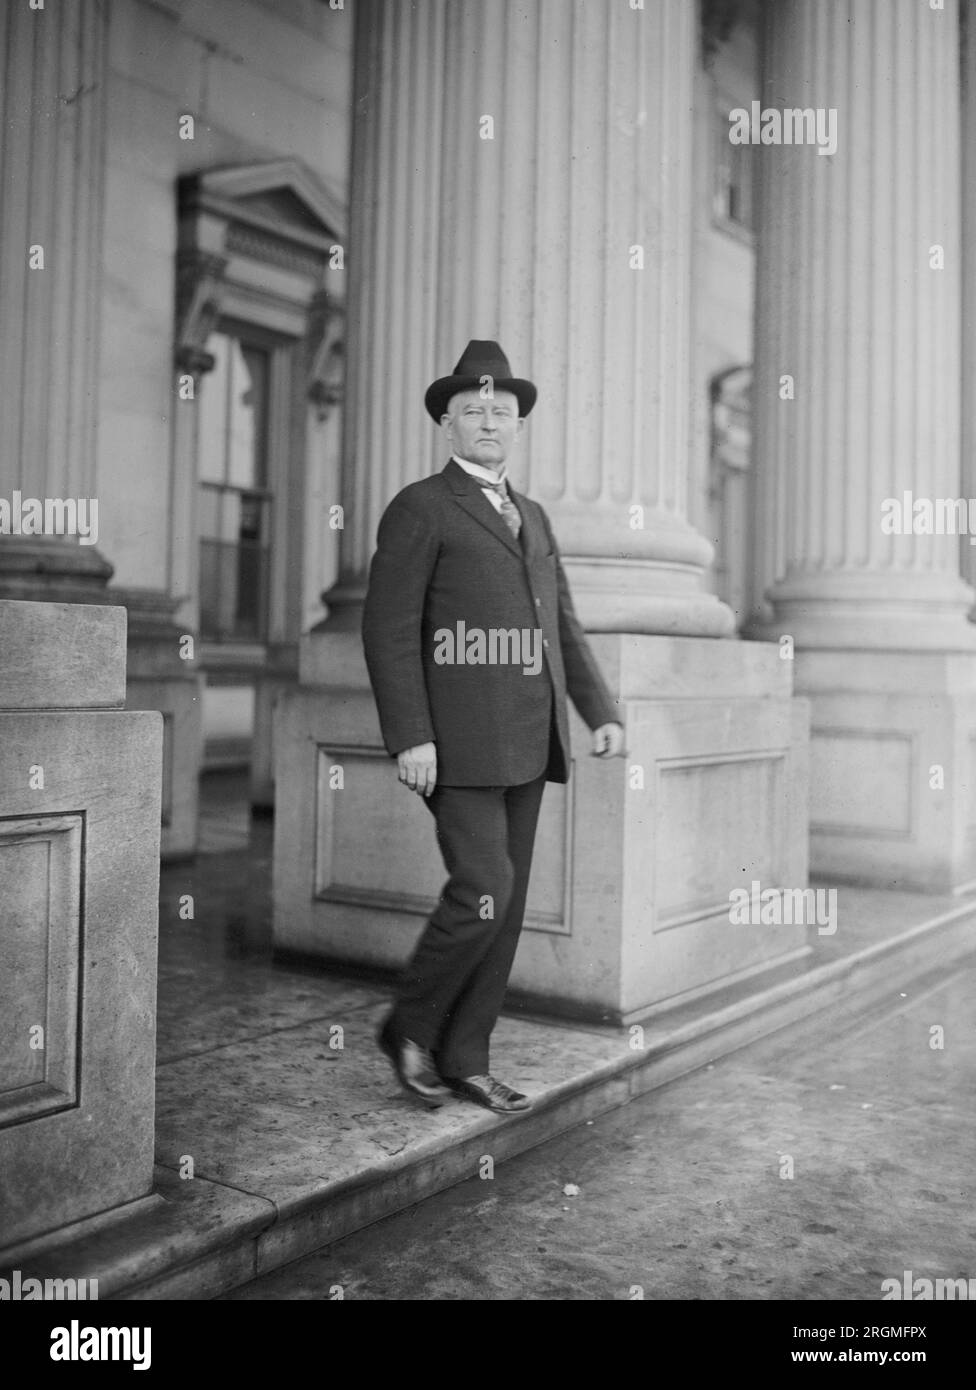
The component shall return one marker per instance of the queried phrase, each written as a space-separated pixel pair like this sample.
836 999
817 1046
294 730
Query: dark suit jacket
444 556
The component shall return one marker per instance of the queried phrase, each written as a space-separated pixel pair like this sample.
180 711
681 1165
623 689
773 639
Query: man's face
483 431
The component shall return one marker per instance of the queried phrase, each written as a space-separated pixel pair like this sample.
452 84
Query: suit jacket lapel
468 494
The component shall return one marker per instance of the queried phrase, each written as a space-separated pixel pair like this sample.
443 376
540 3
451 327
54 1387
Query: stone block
893 768
79 847
61 656
635 859
180 703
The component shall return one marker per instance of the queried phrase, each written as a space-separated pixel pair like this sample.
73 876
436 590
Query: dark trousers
451 993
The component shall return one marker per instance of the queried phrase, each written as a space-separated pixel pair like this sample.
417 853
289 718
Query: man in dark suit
472 645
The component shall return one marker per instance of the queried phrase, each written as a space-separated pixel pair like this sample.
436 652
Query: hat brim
439 393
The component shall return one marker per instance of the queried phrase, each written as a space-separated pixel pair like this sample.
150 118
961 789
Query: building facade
238 239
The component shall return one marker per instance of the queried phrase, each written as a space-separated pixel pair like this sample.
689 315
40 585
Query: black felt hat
478 360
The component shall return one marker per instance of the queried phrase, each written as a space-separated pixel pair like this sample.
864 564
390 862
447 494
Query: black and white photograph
488 667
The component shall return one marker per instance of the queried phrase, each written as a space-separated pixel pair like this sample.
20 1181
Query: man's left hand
608 741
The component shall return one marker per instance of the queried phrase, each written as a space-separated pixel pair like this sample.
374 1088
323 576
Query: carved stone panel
40 898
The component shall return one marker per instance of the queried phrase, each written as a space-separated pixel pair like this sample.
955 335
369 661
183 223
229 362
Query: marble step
364 1150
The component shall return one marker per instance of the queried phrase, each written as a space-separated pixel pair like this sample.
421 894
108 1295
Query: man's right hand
418 768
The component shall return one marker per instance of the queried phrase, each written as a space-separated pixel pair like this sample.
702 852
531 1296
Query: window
734 179
234 496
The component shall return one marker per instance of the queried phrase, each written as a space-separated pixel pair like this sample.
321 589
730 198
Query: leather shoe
414 1066
485 1090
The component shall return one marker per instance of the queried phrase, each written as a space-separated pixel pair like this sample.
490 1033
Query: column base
871 611
79 884
893 767
645 597
158 678
635 860
280 675
52 569
344 606
656 597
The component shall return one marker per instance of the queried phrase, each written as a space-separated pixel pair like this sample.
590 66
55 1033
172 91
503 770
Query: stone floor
269 1081
252 1083
811 1166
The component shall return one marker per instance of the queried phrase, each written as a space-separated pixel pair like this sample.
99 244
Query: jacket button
538 603
545 641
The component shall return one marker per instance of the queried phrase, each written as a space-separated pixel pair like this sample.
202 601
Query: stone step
196 1240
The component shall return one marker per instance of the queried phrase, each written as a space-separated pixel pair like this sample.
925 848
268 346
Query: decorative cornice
270 248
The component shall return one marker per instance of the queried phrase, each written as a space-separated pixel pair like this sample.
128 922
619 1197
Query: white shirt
489 475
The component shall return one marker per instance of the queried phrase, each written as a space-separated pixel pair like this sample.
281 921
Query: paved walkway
295 1142
685 1191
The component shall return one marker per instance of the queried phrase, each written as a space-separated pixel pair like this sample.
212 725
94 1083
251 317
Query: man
472 644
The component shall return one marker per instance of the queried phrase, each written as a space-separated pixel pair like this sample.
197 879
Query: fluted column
51 182
522 171
967 17
858 329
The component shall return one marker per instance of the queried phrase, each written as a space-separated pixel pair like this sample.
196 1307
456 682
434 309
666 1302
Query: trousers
451 992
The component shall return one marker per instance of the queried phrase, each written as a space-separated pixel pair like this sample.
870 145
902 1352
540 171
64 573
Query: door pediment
281 192
257 242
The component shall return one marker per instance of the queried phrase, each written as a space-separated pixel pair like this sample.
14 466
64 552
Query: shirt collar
486 475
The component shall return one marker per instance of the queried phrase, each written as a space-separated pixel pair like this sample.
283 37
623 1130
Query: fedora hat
479 359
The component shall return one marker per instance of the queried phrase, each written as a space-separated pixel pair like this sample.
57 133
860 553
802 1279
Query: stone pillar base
158 678
49 569
280 675
79 882
893 767
641 597
635 859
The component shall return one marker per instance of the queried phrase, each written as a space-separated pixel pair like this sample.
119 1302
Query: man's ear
521 425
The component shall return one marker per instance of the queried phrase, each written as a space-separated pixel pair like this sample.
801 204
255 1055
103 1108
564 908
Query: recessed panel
396 865
40 929
717 827
861 783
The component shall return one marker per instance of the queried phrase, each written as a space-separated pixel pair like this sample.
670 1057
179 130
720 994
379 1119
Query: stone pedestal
893 757
160 677
79 880
279 675
635 860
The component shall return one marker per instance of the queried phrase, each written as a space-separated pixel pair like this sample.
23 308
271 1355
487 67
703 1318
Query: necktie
510 514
